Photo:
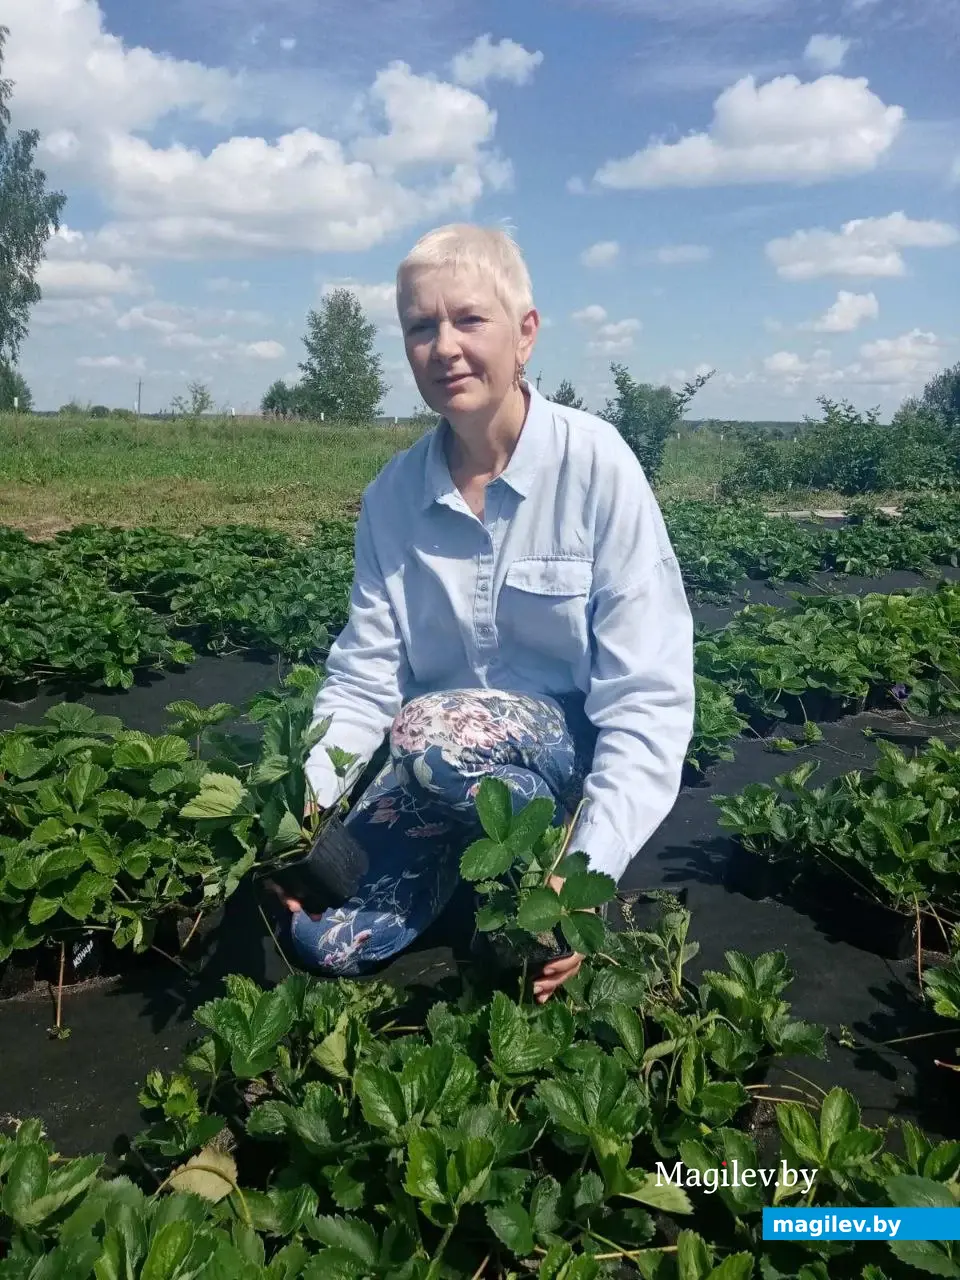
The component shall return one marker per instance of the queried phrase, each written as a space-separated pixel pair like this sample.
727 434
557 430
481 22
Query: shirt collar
527 458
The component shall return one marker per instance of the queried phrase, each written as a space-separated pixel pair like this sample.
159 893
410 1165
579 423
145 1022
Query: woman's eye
471 320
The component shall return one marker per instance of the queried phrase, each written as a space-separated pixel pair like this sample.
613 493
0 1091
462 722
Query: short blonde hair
489 250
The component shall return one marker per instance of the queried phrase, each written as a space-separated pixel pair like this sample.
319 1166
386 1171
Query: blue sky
764 188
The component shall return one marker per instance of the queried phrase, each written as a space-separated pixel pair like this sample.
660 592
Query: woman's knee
458 720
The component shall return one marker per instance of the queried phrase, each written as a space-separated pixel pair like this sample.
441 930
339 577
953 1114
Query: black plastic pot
835 904
329 873
755 877
179 934
18 973
83 957
19 692
499 951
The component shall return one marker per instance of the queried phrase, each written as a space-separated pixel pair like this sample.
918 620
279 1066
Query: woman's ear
529 328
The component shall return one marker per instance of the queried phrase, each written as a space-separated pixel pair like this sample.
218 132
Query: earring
521 372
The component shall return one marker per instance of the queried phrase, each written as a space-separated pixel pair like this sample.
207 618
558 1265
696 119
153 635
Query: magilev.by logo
732 1175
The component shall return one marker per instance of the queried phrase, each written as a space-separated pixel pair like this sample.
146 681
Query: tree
342 374
645 415
941 396
279 400
200 398
13 387
566 395
28 215
200 401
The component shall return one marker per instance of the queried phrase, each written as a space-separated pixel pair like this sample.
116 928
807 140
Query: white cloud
678 377
863 247
129 364
168 317
225 284
846 314
113 89
616 336
902 365
827 53
593 314
691 11
782 131
428 121
288 43
601 254
268 350
378 300
484 60
410 150
785 364
674 255
907 361
95 313
620 328
58 279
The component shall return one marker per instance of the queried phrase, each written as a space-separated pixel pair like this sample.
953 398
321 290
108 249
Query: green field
60 472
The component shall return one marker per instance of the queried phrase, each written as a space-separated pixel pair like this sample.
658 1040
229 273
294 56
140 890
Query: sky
766 188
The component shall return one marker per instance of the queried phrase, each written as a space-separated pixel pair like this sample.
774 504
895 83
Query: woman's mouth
454 379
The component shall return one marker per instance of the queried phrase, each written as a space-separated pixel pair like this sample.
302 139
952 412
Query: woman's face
463 346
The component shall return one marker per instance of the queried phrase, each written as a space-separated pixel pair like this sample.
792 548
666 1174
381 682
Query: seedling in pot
270 809
541 901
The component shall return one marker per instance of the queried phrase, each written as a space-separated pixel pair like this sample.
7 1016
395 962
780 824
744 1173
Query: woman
516 611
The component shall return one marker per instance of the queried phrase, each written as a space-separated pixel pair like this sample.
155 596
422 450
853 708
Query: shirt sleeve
641 692
363 690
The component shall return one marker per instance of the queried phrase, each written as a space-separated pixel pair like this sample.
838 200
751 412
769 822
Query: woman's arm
641 694
366 670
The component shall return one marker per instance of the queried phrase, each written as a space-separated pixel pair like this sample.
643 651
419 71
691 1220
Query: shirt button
484 587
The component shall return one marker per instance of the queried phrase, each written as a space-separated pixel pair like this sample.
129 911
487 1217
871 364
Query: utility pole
539 376
139 390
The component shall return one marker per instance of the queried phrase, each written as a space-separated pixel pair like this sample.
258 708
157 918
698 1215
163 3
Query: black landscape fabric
84 1088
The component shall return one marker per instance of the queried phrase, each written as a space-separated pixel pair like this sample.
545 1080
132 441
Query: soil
85 1088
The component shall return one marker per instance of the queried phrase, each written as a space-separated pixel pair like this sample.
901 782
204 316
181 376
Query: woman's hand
293 905
557 972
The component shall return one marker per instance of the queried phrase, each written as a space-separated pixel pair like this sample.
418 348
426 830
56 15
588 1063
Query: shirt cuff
604 849
324 785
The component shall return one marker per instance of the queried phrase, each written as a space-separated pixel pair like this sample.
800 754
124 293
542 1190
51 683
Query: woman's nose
445 344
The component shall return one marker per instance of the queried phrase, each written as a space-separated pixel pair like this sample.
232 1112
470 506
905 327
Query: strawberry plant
343 1129
254 795
844 651
893 834
91 832
717 724
512 867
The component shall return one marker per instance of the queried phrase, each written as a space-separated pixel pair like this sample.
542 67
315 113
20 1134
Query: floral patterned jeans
419 814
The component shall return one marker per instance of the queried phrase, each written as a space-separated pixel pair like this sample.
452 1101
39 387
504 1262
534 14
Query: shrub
849 451
645 415
13 387
99 411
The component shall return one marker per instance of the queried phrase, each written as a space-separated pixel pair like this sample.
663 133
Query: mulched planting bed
137 1016
84 1088
837 984
747 591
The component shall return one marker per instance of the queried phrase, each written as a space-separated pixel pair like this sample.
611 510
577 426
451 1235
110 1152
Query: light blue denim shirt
568 583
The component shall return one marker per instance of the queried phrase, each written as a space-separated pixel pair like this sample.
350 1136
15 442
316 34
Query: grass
60 472
55 473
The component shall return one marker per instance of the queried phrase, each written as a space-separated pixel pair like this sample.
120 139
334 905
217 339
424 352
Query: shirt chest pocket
544 605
